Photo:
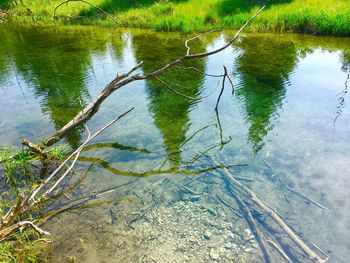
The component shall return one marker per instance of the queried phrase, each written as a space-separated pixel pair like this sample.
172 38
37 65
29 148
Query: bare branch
9 230
196 37
76 154
222 88
124 79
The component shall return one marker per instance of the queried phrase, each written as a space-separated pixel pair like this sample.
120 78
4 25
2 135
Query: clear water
287 125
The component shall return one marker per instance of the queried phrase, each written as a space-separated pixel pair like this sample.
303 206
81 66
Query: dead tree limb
75 154
254 227
279 250
26 202
126 78
196 37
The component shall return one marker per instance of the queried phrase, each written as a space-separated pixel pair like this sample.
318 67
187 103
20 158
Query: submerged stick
254 227
280 222
280 250
305 197
229 206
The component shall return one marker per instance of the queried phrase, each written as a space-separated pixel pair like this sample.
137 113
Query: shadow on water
264 69
170 111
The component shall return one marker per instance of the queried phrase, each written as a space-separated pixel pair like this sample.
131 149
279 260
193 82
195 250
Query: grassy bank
323 17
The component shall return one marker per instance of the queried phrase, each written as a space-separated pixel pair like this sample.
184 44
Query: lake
284 133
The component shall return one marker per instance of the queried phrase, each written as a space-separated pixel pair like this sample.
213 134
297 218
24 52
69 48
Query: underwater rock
214 255
228 245
207 234
248 249
191 198
247 233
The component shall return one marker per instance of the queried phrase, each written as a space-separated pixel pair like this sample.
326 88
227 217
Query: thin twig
196 37
75 153
305 197
222 88
254 227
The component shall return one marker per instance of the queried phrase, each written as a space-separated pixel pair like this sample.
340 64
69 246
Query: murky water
286 126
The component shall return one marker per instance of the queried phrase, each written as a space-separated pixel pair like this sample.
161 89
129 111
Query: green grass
323 17
26 246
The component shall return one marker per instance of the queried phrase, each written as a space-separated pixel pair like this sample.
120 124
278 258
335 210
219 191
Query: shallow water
287 124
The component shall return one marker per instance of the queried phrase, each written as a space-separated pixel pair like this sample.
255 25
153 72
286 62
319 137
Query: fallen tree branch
196 37
254 227
126 78
9 230
279 250
76 154
25 202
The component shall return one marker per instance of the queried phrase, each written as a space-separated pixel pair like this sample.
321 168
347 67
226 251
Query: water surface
286 125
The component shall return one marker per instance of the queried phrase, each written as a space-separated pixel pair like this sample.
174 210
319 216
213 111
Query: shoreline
329 18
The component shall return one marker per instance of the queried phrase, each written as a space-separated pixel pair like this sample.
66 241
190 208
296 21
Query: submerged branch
26 201
275 216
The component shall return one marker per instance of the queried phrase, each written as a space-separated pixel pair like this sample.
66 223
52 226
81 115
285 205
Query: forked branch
126 78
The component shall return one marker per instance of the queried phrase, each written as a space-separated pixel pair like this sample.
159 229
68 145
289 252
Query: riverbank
329 17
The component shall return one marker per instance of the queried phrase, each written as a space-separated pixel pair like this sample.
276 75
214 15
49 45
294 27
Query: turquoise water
286 124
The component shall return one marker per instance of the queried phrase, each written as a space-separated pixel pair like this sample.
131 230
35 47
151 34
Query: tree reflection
264 69
170 111
55 65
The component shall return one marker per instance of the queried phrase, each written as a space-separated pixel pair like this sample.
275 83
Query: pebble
247 233
207 234
248 249
232 236
251 239
214 255
192 198
193 240
228 245
254 245
228 225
